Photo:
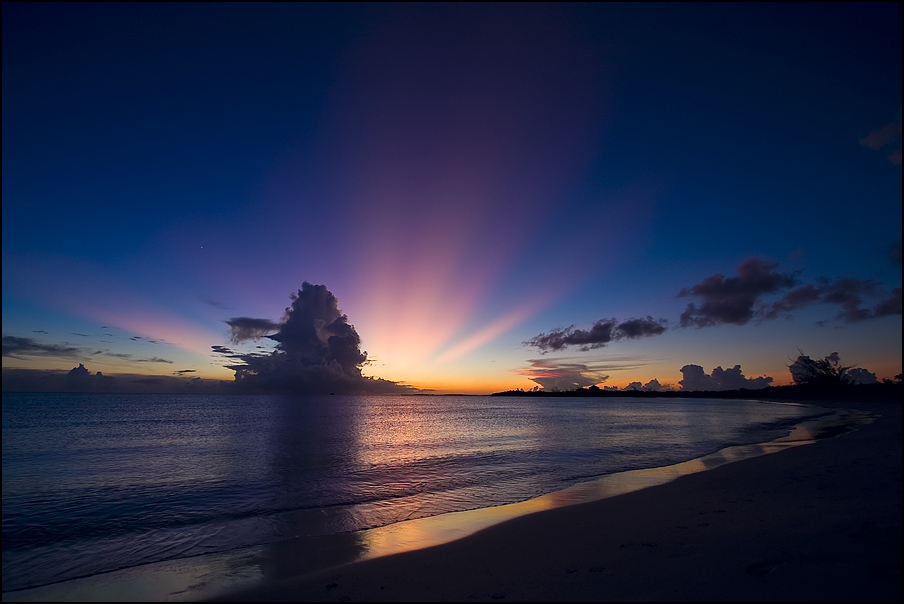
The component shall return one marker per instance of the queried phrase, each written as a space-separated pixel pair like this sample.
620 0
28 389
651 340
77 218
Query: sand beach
820 522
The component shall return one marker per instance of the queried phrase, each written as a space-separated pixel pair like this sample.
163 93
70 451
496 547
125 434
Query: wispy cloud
214 303
600 333
568 373
19 348
247 328
132 358
16 347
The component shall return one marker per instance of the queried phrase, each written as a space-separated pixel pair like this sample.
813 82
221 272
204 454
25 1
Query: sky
451 198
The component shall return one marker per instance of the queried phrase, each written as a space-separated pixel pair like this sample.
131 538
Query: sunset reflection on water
436 530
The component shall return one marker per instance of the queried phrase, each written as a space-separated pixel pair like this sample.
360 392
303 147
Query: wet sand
816 522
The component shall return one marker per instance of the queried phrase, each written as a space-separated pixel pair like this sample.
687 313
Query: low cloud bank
317 351
562 374
569 373
651 386
81 379
696 379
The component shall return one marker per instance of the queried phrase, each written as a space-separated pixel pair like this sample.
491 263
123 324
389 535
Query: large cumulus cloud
317 350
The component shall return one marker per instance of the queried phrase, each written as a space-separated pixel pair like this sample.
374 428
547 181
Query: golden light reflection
436 530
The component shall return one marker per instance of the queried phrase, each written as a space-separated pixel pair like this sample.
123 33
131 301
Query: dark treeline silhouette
796 392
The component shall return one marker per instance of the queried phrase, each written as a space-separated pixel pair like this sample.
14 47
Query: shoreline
276 572
819 522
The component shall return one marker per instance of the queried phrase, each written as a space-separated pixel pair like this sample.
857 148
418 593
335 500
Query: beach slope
816 522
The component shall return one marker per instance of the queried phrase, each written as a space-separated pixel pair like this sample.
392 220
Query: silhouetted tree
820 373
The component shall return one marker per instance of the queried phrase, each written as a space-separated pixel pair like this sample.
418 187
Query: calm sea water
93 483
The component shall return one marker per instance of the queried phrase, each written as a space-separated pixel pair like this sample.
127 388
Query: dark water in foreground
97 483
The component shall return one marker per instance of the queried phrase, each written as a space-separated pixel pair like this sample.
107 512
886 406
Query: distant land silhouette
795 392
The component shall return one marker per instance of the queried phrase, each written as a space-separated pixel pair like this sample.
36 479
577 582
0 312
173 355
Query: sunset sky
493 193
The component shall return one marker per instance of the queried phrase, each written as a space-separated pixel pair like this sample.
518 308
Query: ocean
100 484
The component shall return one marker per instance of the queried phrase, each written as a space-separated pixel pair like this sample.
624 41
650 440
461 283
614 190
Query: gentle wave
95 483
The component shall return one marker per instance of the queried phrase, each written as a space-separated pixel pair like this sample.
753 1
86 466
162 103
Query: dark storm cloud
696 379
246 328
732 299
601 333
184 371
317 350
16 347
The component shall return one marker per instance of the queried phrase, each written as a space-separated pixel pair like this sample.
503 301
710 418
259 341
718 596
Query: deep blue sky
463 178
